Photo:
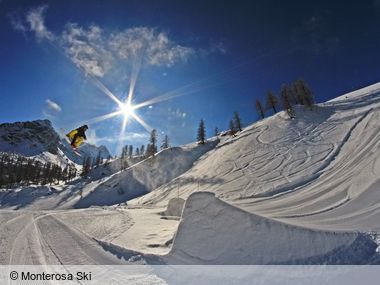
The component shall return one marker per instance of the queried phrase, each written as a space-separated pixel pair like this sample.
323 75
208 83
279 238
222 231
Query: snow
175 207
28 138
302 191
149 233
102 224
320 170
144 176
86 150
39 140
214 232
85 236
21 197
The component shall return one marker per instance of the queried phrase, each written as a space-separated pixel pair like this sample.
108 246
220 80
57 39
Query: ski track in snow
43 238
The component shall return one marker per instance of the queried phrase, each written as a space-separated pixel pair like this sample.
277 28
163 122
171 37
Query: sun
127 110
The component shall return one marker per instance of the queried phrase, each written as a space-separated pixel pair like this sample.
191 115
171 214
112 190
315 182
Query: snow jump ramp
214 232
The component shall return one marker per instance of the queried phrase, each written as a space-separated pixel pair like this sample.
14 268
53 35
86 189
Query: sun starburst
127 110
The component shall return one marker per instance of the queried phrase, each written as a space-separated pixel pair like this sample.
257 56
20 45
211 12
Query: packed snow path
43 238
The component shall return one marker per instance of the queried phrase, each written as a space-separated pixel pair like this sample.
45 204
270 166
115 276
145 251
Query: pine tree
86 167
259 109
142 150
165 142
237 121
201 136
124 151
65 174
216 132
286 102
98 160
153 142
307 94
74 172
232 128
271 101
130 151
137 152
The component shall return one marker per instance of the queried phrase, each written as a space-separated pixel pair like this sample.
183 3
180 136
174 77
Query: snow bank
214 232
25 196
175 207
145 176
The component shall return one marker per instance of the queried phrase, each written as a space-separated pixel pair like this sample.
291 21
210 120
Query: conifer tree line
296 93
144 151
16 170
90 163
235 124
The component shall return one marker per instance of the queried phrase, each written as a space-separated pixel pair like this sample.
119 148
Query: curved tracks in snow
321 169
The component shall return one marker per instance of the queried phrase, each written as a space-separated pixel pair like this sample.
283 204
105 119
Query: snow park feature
214 232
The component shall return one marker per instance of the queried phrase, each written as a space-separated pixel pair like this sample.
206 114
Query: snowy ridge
39 140
362 92
28 138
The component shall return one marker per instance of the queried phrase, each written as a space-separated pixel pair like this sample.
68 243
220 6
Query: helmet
85 127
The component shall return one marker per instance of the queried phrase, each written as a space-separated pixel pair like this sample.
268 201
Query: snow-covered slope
94 151
144 176
321 169
28 138
86 150
39 139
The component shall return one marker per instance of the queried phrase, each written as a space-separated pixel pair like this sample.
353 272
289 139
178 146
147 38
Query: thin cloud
17 23
156 47
87 49
53 106
218 47
36 21
97 52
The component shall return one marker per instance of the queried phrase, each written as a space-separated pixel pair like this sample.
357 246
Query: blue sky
206 58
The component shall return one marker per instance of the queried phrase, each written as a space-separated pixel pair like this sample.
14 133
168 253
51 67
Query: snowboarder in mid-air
77 136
